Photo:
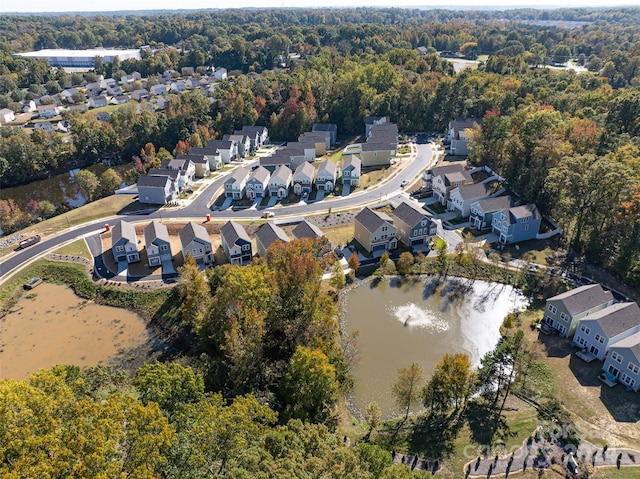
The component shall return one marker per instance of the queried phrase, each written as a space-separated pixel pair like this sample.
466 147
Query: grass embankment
76 248
144 303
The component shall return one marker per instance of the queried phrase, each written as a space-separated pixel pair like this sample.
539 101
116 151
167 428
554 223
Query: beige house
375 231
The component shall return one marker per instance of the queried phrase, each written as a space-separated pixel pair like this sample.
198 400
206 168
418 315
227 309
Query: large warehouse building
80 58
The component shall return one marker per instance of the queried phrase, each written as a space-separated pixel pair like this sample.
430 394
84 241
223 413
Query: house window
384 228
246 247
580 340
635 369
600 339
526 227
119 249
616 357
584 329
164 247
552 309
564 317
627 380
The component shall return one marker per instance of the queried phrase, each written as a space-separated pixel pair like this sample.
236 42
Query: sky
35 6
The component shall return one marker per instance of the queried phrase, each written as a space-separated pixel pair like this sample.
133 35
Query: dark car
338 252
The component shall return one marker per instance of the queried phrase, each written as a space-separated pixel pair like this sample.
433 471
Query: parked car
268 214
404 183
338 252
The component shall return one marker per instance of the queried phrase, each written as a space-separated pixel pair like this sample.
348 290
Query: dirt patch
51 325
604 415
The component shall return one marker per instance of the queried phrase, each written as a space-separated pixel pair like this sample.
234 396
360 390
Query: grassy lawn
104 207
374 176
77 248
537 250
339 235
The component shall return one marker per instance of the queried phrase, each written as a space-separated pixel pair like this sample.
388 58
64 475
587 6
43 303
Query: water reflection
403 321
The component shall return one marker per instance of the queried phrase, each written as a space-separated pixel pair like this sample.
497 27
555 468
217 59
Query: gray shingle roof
408 214
305 168
268 233
192 231
324 127
153 181
632 342
327 166
617 318
445 169
239 174
173 174
122 229
260 174
474 191
351 160
232 232
525 211
462 124
370 219
304 229
386 146
583 298
219 144
495 204
156 230
283 173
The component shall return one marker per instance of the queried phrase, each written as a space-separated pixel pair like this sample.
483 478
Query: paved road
198 209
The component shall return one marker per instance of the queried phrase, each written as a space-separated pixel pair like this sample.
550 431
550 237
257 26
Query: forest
565 140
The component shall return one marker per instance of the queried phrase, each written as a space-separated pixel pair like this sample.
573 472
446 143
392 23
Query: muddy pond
405 321
51 325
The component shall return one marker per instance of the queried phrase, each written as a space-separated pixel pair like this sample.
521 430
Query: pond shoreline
416 318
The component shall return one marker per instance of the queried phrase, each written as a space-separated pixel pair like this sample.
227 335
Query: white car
404 183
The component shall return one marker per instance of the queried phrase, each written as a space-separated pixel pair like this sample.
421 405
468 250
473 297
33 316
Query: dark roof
220 144
454 176
371 220
386 146
307 230
192 231
154 181
445 169
275 160
173 174
324 127
477 190
125 230
194 158
204 151
156 230
259 129
583 298
617 318
495 204
462 124
352 160
232 232
314 135
408 214
238 138
268 233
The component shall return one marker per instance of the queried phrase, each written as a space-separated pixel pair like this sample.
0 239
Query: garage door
380 247
417 242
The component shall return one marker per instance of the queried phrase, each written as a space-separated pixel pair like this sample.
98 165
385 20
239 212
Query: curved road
199 209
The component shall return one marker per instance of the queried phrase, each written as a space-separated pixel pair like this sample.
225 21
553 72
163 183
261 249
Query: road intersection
389 190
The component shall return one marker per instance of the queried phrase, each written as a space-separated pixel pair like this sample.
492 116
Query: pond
59 189
51 325
418 320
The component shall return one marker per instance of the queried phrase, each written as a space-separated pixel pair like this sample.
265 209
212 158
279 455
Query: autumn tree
194 291
309 387
372 417
109 181
408 388
406 262
87 182
451 383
